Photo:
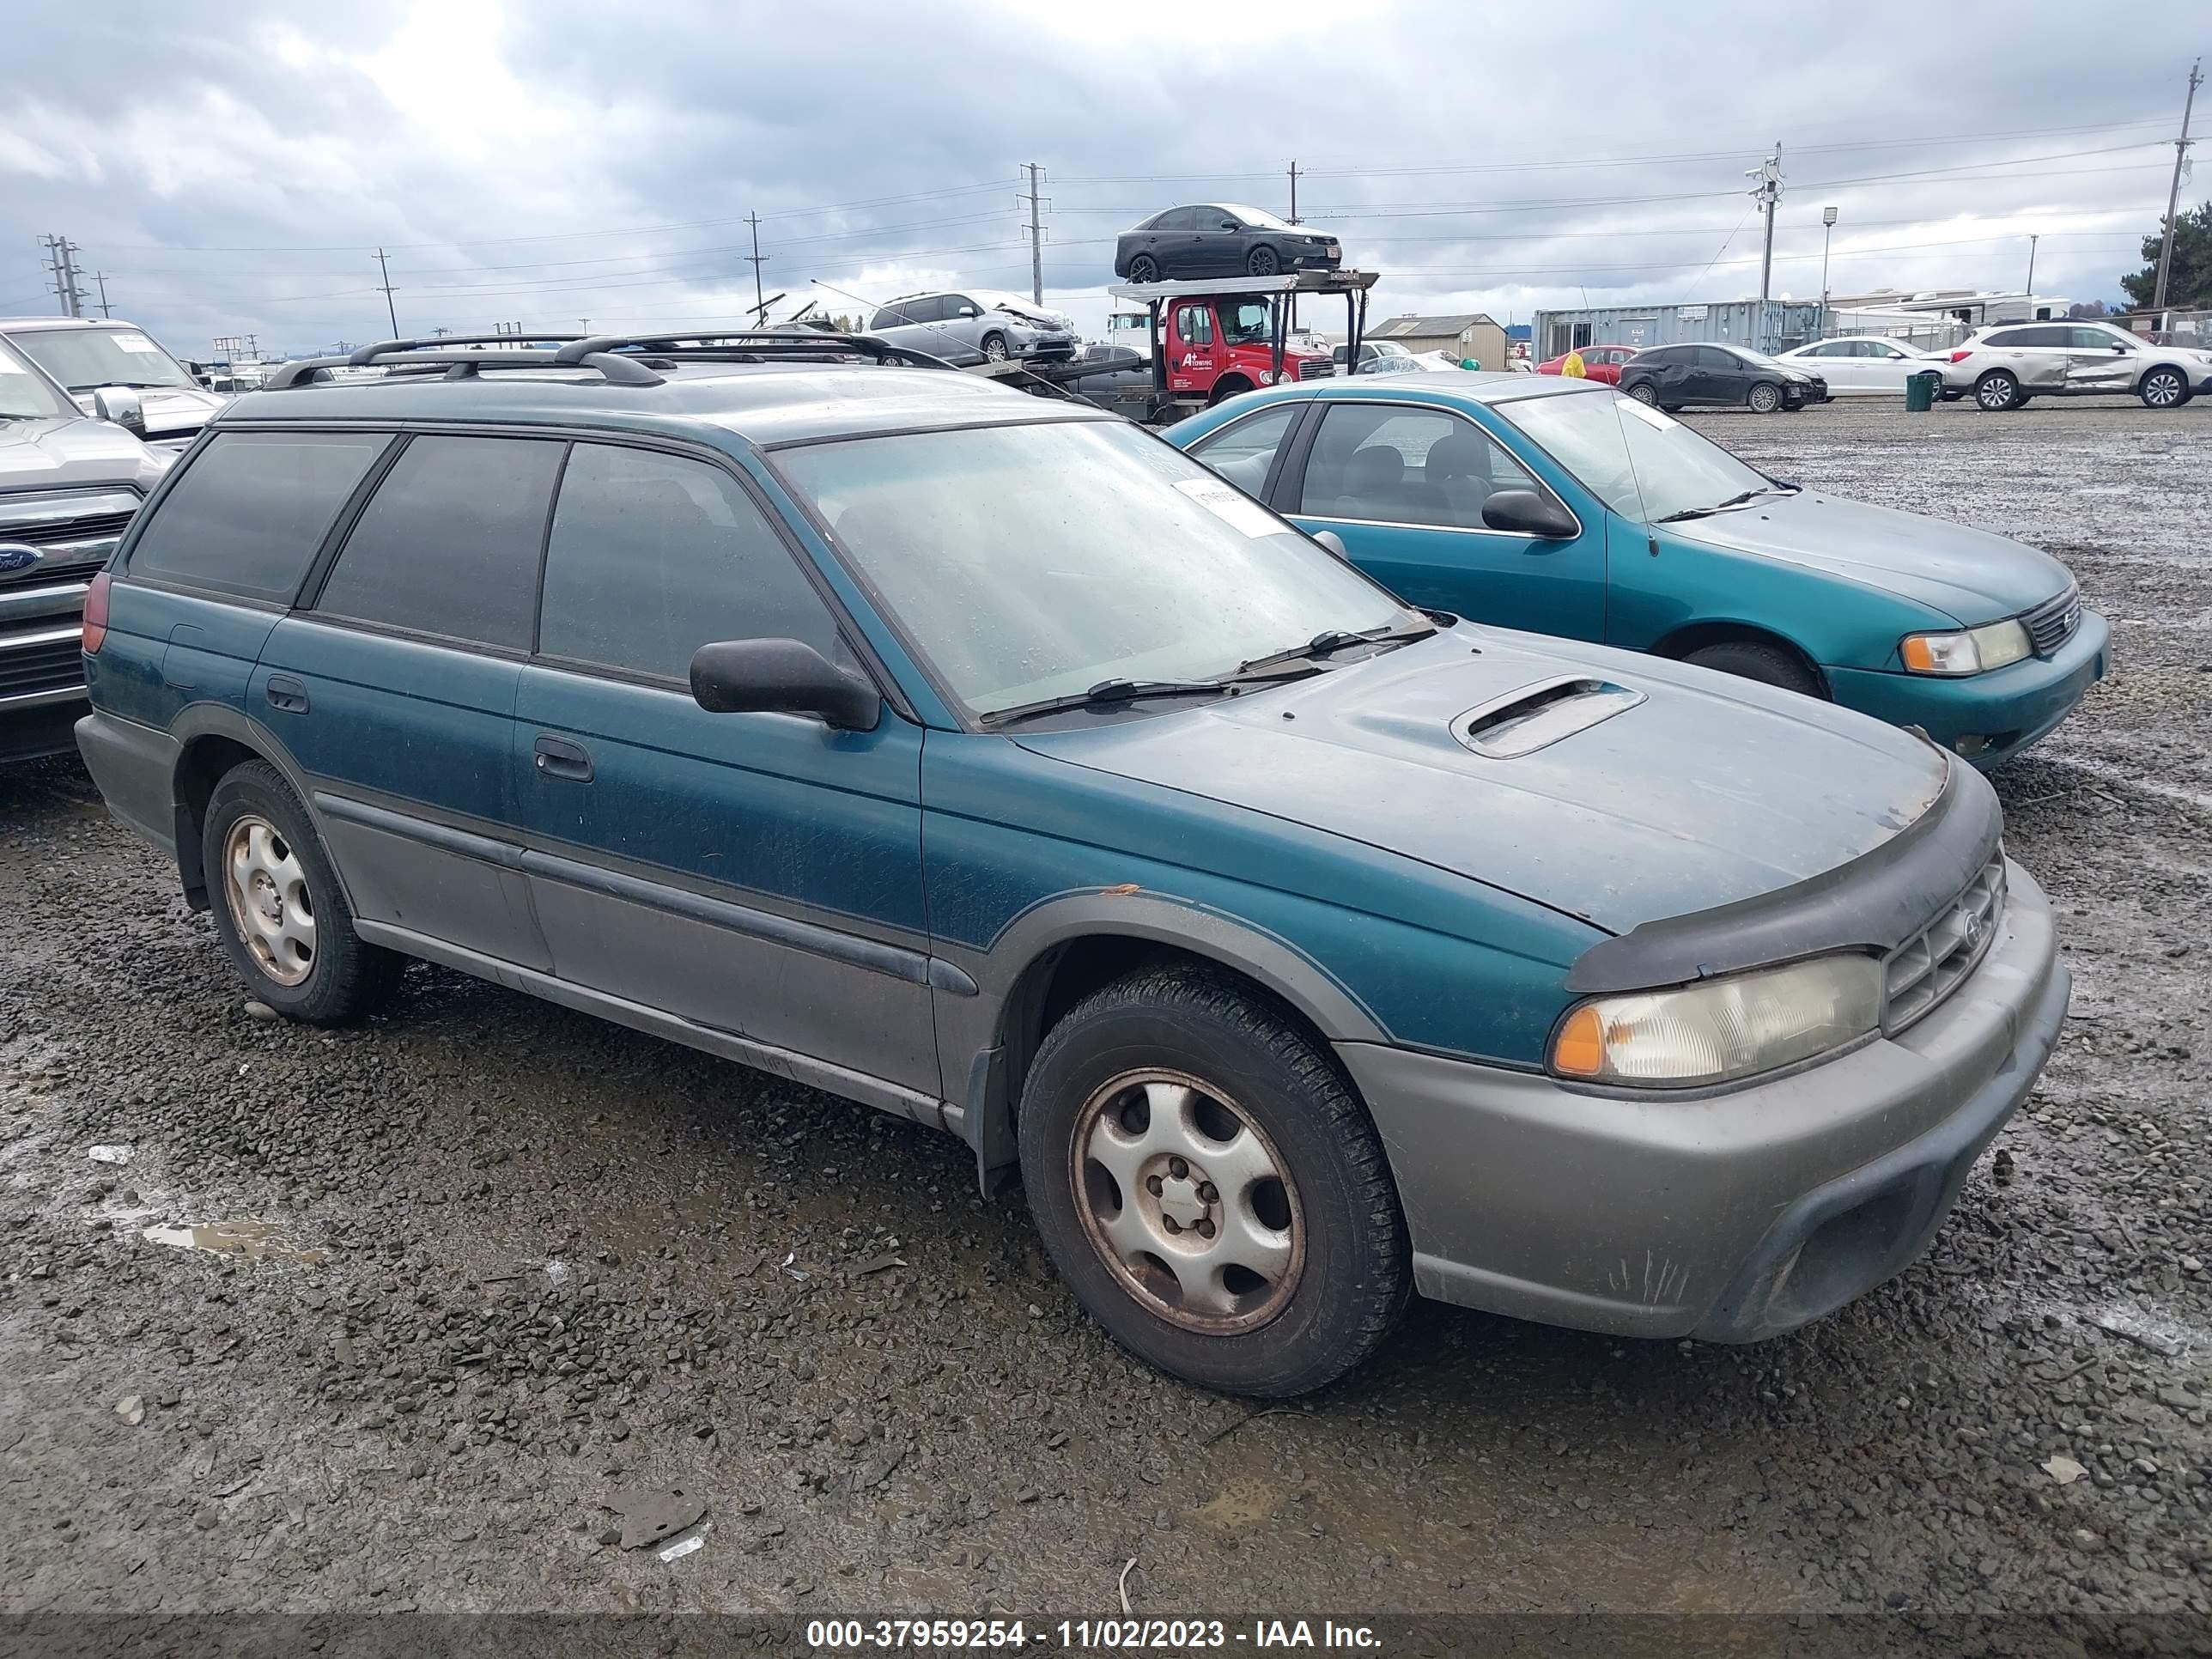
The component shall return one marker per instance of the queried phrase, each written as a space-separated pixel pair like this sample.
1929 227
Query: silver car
85 356
978 325
2002 367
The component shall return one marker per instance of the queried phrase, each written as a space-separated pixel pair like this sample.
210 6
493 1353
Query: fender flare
216 720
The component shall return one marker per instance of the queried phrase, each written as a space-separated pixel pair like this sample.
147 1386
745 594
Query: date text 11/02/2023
1088 1634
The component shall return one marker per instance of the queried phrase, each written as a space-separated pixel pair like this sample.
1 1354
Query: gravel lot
517 1261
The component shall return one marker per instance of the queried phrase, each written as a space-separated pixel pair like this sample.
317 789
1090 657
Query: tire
2163 388
1755 660
1998 391
1764 399
1643 393
278 905
994 348
1670 409
1180 1058
1228 386
1144 268
1262 262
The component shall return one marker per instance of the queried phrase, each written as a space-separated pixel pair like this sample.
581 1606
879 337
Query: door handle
286 693
557 758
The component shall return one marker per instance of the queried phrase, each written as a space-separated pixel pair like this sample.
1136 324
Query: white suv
2002 367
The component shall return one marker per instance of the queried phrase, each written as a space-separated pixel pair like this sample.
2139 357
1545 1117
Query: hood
63 453
1970 575
1708 790
172 411
1040 317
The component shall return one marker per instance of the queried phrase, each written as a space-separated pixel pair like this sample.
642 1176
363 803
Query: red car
1600 362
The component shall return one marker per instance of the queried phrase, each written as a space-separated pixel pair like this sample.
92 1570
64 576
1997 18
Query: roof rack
462 364
748 345
623 359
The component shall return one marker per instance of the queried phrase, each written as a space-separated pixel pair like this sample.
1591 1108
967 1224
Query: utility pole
1037 238
390 310
1294 190
756 259
1828 229
1767 192
2033 237
2173 194
101 277
62 253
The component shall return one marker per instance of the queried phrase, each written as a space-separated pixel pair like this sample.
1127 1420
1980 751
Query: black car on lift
1221 239
1718 376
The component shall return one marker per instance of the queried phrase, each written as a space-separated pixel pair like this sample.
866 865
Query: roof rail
748 344
368 354
461 365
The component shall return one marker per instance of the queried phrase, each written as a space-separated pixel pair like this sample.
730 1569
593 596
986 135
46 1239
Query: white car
1859 365
2002 367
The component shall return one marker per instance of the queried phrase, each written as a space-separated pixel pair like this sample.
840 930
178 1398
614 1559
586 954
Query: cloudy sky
234 168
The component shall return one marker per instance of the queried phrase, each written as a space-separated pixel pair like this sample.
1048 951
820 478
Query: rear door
1403 484
393 690
757 874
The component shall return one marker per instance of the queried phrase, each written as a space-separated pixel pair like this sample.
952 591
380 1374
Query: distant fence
2174 328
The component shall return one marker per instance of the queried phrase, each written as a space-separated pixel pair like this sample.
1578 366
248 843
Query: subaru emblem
16 556
1973 928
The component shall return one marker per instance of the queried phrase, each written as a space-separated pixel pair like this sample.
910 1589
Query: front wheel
1998 391
278 905
2163 388
1210 1187
1262 262
1144 268
994 348
1765 398
1643 392
1755 660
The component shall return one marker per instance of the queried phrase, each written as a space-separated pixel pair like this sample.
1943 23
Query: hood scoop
1537 715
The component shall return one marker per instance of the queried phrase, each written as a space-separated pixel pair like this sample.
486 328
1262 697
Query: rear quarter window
249 512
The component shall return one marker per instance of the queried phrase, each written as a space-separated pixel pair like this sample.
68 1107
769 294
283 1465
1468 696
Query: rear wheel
1643 392
1144 268
1765 398
278 909
2163 388
1755 660
1998 391
1261 262
1210 1188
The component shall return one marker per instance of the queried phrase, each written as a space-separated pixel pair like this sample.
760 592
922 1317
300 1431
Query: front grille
72 529
1931 964
43 664
1315 368
2051 623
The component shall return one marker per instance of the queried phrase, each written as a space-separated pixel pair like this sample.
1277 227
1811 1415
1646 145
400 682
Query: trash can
1920 391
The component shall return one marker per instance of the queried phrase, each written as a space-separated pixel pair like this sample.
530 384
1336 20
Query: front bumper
1730 1217
2007 709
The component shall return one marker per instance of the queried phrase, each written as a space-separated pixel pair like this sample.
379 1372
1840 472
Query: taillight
95 614
1960 356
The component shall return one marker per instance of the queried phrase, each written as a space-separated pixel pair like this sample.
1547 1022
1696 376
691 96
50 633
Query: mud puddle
254 1241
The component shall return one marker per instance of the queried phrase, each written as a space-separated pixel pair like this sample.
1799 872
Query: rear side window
449 542
250 511
653 555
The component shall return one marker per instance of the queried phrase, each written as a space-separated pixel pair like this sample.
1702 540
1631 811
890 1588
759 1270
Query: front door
1191 346
1404 484
394 693
759 874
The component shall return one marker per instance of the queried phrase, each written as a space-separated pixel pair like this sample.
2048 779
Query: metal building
1469 335
1763 326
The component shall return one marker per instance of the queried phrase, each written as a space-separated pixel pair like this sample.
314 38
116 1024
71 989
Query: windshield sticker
136 343
1231 506
1645 413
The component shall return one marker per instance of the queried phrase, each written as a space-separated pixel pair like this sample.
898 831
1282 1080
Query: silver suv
68 486
979 325
2001 368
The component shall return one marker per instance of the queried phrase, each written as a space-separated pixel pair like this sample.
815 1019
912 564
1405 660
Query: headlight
1724 1030
1974 652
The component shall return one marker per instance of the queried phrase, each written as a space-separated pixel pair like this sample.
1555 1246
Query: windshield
1642 464
1038 560
82 358
1258 217
25 394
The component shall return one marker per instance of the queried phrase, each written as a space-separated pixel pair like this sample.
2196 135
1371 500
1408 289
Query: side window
252 509
1882 348
887 318
449 542
2010 336
1392 465
1196 324
653 555
958 306
2095 339
1244 452
1713 357
1834 349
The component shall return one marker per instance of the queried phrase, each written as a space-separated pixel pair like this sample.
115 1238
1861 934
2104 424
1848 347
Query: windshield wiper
1329 641
1107 694
1718 506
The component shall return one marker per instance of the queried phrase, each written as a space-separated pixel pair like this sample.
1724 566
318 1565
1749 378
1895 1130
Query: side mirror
1230 224
1525 513
1334 542
781 677
120 404
970 311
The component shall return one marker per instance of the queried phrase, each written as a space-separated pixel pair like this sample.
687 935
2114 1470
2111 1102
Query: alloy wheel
270 906
2161 388
1262 262
1187 1202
